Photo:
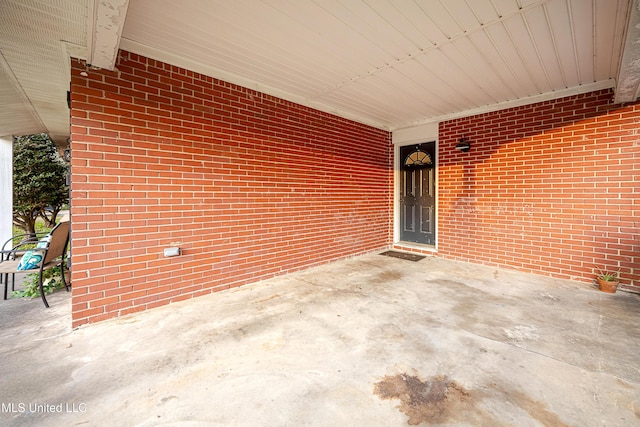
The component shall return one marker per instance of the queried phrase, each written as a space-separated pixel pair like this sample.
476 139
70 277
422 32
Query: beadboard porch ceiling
388 63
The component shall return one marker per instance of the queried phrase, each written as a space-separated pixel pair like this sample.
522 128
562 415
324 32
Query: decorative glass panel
418 158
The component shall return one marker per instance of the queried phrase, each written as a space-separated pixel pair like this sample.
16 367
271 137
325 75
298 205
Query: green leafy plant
608 276
51 281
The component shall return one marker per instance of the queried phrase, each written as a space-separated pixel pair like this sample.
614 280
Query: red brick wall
248 185
551 188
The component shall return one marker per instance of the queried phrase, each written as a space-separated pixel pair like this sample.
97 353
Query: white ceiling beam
105 23
628 81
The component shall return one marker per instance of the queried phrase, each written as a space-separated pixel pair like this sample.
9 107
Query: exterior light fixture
463 145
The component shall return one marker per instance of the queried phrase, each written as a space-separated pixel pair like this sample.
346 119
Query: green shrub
51 281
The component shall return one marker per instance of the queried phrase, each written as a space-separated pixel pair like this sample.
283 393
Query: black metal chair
53 250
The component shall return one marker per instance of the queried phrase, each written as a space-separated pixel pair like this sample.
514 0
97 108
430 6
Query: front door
418 193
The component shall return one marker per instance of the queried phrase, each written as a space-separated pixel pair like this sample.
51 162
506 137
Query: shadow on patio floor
367 341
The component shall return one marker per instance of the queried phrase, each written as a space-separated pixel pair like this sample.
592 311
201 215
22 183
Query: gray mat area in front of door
403 255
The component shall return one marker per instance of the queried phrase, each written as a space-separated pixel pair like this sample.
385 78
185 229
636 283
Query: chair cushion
44 242
30 260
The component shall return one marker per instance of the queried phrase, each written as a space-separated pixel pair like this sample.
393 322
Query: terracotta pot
608 287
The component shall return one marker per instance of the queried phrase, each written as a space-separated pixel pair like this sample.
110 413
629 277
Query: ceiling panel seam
572 28
555 46
595 38
537 51
522 59
474 76
506 63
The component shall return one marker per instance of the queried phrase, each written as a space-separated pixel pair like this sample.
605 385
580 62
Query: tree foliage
39 181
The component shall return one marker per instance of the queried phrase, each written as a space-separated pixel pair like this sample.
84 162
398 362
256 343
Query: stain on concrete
386 332
167 399
386 276
536 409
432 401
266 299
441 400
623 383
635 407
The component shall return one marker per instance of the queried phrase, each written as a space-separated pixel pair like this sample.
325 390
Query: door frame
396 196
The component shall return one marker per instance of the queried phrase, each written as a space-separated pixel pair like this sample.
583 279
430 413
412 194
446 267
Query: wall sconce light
463 145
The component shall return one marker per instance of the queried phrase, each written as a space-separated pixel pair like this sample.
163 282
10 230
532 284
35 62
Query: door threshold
415 247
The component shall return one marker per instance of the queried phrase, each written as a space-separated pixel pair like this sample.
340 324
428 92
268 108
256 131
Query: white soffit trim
169 58
604 84
74 50
69 51
105 22
423 133
629 70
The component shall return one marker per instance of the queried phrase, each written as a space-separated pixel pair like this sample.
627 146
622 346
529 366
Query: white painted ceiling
388 63
34 71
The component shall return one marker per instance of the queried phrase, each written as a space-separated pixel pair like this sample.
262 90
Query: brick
577 169
250 184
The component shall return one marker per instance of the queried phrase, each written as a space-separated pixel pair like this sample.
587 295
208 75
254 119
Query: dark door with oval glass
417 193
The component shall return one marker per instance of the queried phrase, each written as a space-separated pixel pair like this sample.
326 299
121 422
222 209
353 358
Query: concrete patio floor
366 341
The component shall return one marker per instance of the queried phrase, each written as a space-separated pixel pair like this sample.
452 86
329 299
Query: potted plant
607 281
